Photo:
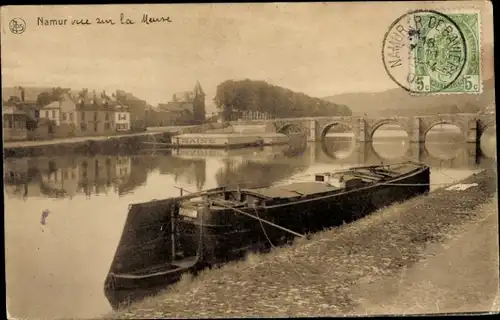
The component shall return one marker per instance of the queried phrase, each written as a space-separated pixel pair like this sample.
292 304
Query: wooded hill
400 102
249 95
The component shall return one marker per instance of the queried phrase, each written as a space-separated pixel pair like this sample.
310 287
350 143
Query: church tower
199 103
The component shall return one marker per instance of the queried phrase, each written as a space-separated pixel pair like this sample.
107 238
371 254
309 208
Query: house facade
136 107
194 99
62 113
51 112
174 113
122 118
25 99
96 116
14 124
186 107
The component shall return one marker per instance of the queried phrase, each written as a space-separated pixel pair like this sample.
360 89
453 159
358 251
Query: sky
319 49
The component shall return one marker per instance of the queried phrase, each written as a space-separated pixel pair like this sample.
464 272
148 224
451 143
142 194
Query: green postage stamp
447 59
434 52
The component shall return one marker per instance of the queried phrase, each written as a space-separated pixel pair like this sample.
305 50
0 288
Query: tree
247 95
14 100
44 99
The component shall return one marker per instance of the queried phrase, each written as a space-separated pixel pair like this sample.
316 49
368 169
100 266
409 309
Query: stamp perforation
438 67
445 10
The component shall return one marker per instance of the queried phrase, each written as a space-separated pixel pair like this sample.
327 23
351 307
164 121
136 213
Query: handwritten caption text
123 20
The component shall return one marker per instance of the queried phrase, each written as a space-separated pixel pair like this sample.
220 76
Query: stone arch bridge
472 125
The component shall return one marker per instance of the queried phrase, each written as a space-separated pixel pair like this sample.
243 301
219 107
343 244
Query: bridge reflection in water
443 148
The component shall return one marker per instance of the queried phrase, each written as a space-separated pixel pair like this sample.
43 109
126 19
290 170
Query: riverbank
327 274
86 145
100 144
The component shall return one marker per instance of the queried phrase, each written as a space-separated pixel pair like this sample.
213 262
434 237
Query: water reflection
445 133
390 141
488 142
48 265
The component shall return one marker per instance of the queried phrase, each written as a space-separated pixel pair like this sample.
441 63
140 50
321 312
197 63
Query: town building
25 99
63 114
14 123
137 109
122 117
52 112
175 113
95 115
186 107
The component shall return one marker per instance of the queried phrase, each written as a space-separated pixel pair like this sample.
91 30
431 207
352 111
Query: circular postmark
424 51
17 26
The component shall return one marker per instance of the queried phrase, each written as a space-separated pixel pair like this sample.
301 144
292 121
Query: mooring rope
423 163
260 219
251 216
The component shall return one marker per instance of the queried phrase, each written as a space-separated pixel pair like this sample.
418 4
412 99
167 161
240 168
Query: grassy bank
318 277
458 275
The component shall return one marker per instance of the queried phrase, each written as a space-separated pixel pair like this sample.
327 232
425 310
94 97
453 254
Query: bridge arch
330 125
289 128
444 121
400 123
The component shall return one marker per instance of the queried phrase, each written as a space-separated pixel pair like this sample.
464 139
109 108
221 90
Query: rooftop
30 93
176 106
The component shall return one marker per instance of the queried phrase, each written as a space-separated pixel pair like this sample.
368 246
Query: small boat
164 239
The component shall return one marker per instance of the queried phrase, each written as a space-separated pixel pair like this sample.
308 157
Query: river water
64 215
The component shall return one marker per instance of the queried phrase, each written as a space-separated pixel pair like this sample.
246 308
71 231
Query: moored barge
163 239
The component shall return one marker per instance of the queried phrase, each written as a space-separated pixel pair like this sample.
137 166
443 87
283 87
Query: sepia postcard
249 160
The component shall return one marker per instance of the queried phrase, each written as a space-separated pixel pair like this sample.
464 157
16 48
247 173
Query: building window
122 116
107 116
95 116
83 127
71 116
107 126
9 124
64 116
46 113
53 114
83 115
95 127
